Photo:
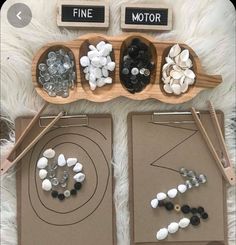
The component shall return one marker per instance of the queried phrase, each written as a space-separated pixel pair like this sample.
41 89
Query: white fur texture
207 26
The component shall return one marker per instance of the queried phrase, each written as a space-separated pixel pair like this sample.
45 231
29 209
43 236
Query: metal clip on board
10 161
223 161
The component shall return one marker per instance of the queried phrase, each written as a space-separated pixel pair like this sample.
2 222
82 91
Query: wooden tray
159 50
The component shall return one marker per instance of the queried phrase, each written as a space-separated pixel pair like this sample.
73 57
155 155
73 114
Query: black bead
195 220
54 194
200 210
193 210
161 203
204 215
169 206
61 196
77 186
133 51
185 209
73 192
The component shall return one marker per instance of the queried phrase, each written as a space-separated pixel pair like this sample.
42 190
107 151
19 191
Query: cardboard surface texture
87 218
156 152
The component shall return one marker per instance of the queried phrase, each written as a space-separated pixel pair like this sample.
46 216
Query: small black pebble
195 220
193 210
169 206
61 196
204 215
200 210
185 209
54 194
73 192
77 186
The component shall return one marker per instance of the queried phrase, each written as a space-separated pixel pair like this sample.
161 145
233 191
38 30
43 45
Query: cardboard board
88 218
156 152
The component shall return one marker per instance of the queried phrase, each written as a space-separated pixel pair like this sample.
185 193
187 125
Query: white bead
67 193
78 167
162 234
71 161
43 173
95 61
92 54
111 66
173 227
168 89
42 162
154 203
108 80
61 161
105 72
176 89
46 185
101 82
80 177
84 61
172 193
49 153
98 73
135 71
182 188
183 223
161 196
100 45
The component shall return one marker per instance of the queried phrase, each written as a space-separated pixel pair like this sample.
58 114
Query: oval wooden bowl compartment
159 50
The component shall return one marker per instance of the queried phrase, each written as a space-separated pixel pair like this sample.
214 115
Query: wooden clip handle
228 172
7 163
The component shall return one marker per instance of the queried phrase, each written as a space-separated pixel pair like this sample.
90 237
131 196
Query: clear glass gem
202 178
183 172
42 67
188 184
55 182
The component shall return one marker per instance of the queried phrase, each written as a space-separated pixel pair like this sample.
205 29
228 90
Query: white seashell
173 227
93 53
42 162
92 86
165 66
189 63
168 89
169 61
172 193
189 81
175 50
177 68
176 74
92 47
154 203
183 223
80 177
61 161
46 185
162 234
181 81
84 61
100 45
101 82
182 188
71 161
105 72
189 73
184 87
49 153
176 89
161 196
95 61
167 80
164 75
108 80
184 55
43 173
111 66
78 167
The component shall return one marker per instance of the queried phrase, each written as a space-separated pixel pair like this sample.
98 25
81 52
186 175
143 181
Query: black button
204 215
54 194
195 220
77 186
61 196
73 192
200 210
161 203
185 209
193 210
169 206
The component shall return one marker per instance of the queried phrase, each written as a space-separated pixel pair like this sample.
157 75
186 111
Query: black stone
185 209
61 196
161 204
204 215
133 51
200 210
193 210
73 192
169 206
54 194
77 186
195 220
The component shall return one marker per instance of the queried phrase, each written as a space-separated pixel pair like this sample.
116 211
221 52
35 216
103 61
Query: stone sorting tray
160 50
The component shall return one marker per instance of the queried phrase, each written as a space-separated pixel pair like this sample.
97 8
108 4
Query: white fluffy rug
208 26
